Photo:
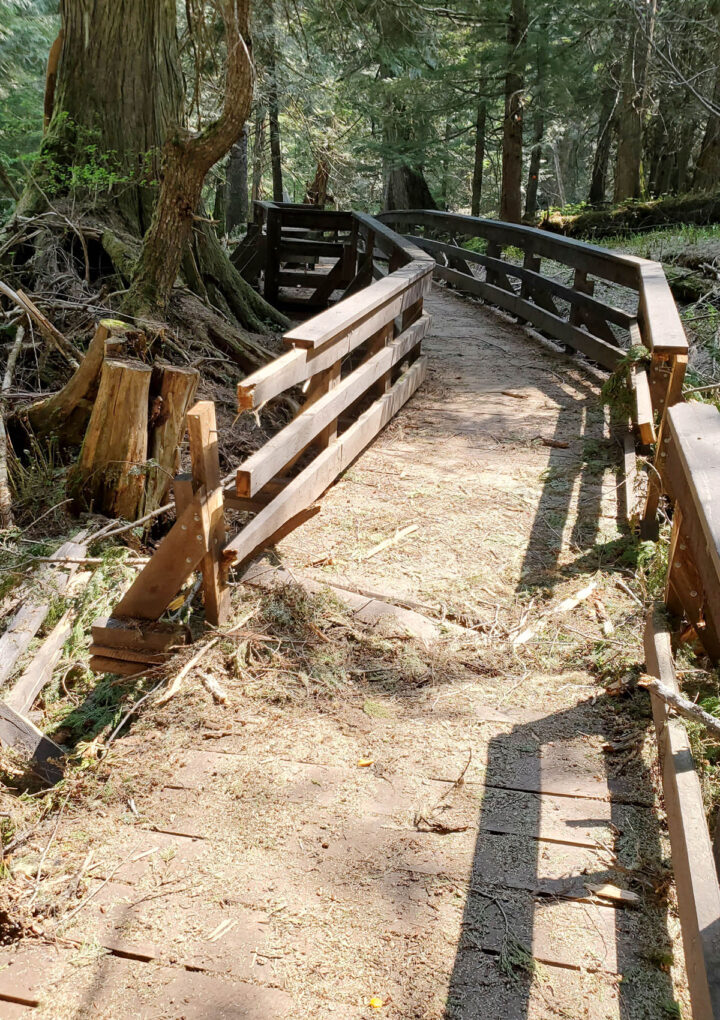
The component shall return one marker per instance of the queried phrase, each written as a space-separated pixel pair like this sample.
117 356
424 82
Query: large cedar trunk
512 149
406 188
118 121
118 89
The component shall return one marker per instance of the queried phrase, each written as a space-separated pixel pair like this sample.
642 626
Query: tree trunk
512 148
407 188
258 152
186 161
534 168
610 98
316 193
274 112
628 168
118 93
444 184
707 169
219 204
236 195
479 156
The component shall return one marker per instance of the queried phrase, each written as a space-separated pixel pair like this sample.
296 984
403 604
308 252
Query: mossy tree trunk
118 155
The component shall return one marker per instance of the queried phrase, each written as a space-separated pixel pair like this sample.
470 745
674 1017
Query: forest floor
402 820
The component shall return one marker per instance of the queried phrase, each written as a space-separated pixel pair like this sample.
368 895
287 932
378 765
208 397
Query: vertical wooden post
205 461
321 384
666 380
583 286
273 237
494 251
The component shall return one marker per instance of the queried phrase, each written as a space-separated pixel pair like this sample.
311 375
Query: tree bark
534 168
479 155
274 112
707 169
258 153
118 89
628 167
512 148
186 161
236 195
610 98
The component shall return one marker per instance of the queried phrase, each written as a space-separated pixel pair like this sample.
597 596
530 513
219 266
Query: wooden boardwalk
267 875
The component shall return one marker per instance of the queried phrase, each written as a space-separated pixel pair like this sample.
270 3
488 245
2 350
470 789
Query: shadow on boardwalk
529 918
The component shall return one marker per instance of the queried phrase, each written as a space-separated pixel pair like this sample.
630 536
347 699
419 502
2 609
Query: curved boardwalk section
470 832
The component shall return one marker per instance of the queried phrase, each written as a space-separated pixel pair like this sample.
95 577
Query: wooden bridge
522 872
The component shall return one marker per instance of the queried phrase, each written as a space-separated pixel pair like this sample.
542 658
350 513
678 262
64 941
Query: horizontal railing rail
350 367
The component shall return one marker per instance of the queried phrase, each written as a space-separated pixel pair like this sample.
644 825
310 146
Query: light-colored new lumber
172 392
29 618
644 419
110 473
406 284
177 555
693 863
272 457
205 460
324 469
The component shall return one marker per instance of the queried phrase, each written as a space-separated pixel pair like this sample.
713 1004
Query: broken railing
684 439
352 367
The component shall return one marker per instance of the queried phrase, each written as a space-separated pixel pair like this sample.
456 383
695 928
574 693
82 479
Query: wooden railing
357 363
685 471
590 324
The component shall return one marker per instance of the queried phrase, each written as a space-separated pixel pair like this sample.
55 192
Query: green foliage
616 390
27 29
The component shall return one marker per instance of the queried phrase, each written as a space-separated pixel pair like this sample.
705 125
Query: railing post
273 236
202 429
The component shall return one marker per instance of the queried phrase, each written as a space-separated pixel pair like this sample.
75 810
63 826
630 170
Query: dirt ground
374 824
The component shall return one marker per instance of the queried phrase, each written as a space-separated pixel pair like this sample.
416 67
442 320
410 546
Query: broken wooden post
172 391
67 413
205 461
110 474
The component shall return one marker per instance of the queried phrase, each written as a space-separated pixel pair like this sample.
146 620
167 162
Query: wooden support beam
178 554
23 735
692 856
272 457
306 487
643 416
205 460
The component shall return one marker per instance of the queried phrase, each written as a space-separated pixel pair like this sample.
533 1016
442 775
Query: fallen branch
6 516
213 687
563 607
397 537
192 661
684 707
44 325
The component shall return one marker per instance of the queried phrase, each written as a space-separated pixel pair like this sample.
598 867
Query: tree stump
66 414
172 392
110 475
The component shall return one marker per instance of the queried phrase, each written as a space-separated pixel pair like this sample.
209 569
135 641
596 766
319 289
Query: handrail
661 329
359 360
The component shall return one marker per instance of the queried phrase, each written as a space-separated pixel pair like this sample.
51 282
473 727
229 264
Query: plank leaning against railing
361 359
